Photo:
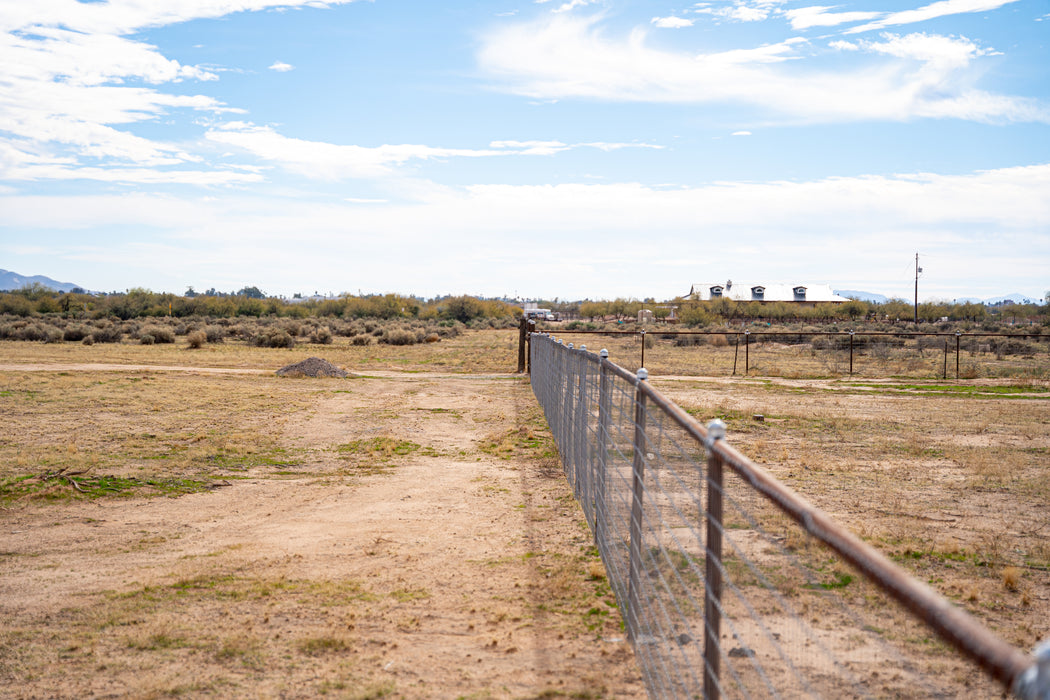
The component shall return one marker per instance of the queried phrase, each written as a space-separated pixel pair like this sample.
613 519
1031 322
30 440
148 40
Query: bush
109 333
196 339
54 335
146 339
160 334
362 340
76 333
432 338
89 340
274 338
399 336
321 336
215 334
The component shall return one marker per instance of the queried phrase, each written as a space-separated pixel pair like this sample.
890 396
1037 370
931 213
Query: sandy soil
446 572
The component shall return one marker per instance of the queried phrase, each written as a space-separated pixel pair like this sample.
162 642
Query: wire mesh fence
731 585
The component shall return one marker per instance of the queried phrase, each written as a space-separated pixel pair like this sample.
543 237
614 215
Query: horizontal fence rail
730 584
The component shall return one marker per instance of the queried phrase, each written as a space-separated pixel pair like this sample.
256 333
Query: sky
571 149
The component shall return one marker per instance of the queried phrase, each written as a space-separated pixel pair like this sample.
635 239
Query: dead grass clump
1011 576
196 339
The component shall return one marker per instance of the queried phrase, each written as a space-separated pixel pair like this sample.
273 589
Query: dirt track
460 569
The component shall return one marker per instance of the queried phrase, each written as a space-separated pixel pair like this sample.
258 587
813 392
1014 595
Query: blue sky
558 148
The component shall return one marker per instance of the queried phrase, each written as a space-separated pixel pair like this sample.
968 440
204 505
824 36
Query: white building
747 292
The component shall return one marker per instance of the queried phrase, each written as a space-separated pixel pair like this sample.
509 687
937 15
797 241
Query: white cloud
317 159
741 133
818 16
281 67
934 10
740 10
979 225
916 76
671 22
65 69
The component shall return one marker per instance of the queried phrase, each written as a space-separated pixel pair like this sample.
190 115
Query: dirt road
420 545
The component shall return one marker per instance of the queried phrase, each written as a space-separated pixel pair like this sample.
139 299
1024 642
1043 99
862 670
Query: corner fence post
523 327
716 430
528 339
604 402
634 564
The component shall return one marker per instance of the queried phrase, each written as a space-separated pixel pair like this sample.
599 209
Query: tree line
252 302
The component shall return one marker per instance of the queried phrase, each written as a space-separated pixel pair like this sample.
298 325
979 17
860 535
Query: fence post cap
570 346
1034 683
603 353
643 374
851 331
716 430
583 347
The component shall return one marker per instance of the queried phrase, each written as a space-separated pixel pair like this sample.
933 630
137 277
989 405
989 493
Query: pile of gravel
312 367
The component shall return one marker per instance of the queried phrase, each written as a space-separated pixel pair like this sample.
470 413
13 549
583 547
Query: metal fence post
643 349
957 334
583 411
851 352
716 430
604 402
747 352
637 500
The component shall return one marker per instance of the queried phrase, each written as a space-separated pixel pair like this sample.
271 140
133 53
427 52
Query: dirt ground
421 546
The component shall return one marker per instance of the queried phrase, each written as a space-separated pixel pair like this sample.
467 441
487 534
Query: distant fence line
730 584
851 340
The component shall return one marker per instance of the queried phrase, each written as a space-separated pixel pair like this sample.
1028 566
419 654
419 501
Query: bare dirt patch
415 539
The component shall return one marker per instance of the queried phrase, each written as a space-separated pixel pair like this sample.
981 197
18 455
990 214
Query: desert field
181 522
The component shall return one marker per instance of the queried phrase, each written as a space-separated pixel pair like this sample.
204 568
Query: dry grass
949 479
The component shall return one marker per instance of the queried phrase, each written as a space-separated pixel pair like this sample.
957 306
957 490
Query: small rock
741 652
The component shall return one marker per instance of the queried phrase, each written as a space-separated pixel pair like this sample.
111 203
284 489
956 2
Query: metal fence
965 355
730 584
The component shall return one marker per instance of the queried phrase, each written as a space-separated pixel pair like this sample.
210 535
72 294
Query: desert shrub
399 336
196 339
292 327
215 333
321 336
76 333
53 335
32 331
432 338
688 341
146 339
362 340
717 341
273 338
88 340
161 334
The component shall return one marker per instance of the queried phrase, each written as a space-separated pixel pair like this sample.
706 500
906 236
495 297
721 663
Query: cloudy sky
548 148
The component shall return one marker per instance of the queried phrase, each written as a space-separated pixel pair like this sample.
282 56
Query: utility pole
918 270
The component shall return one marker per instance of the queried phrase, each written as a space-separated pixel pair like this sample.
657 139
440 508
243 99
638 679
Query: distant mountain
862 296
12 280
1015 298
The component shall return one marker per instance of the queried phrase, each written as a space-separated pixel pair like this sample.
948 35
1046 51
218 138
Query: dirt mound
312 367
